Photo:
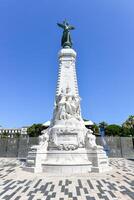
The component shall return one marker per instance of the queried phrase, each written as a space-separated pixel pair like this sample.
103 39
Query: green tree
129 123
35 130
128 126
126 132
113 130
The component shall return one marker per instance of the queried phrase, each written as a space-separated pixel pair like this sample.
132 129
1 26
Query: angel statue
66 41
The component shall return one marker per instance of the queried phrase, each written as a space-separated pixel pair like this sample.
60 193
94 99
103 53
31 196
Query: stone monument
67 146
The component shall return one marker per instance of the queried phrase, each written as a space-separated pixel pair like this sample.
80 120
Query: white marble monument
67 146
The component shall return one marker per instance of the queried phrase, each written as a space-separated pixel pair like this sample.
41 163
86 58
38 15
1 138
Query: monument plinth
67 146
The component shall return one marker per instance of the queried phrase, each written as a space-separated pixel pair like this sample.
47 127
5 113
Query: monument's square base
59 162
67 162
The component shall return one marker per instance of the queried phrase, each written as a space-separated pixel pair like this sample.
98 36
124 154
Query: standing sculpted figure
66 41
43 139
91 140
60 109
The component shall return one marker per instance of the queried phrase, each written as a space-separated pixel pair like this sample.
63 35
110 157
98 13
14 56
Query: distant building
13 131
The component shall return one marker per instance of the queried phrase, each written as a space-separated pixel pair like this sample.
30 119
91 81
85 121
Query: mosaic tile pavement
118 184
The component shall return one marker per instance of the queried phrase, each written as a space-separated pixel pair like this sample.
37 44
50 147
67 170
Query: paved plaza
17 184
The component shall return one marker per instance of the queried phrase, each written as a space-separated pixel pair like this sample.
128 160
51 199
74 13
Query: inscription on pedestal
67 139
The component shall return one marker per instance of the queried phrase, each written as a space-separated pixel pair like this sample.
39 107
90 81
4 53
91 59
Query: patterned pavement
16 184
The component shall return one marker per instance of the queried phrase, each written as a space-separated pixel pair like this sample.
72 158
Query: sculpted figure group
67 106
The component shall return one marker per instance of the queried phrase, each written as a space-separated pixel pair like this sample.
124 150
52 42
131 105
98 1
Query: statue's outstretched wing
71 27
61 25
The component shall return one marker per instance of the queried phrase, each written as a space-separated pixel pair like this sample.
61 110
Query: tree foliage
35 130
113 130
128 126
126 132
129 123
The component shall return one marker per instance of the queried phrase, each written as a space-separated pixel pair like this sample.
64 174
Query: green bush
113 130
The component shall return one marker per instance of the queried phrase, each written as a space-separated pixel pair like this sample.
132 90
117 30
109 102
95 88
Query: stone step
28 169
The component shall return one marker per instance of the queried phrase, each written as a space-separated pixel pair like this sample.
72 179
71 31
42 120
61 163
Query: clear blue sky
30 41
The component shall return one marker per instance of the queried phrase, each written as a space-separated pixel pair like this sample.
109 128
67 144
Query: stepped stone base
58 162
34 159
67 169
67 162
98 159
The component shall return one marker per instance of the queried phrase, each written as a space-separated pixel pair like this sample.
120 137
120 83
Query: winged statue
66 41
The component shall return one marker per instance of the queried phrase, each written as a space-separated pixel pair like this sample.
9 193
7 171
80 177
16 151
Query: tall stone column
67 72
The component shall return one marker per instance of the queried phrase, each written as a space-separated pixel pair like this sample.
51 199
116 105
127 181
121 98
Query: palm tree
103 125
129 123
